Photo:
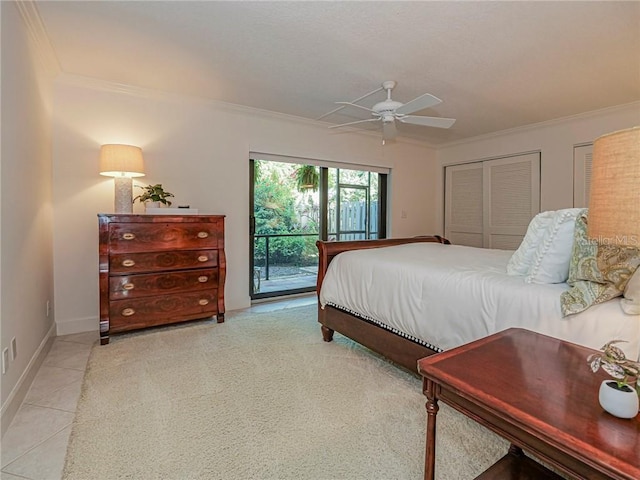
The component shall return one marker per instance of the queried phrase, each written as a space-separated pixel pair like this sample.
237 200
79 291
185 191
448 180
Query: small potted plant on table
619 396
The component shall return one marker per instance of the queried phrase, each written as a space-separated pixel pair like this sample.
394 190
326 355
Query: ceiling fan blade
356 100
389 130
423 101
353 123
437 122
354 105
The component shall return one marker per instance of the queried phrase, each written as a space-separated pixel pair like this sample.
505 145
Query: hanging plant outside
307 178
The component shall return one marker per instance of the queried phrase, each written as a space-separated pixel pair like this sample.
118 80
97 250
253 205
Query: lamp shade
614 203
121 161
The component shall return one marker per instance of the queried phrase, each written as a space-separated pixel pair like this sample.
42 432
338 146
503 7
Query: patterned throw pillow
597 272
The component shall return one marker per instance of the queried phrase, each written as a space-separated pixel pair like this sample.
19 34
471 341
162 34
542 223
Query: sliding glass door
355 212
292 206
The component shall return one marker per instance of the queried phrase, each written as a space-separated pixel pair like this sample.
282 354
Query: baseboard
15 398
79 325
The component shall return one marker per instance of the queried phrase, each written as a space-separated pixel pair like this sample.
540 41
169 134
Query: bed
410 298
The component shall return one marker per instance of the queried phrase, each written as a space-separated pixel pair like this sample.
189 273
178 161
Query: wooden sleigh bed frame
395 347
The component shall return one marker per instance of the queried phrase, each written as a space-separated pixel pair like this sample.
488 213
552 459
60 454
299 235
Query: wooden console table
539 393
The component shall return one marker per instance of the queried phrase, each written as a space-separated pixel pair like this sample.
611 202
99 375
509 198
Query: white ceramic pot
148 205
621 403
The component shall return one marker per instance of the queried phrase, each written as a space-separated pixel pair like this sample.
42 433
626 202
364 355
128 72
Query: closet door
490 203
582 158
463 200
511 192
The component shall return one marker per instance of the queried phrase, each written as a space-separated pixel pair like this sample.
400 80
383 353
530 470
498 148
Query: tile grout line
37 445
15 475
50 408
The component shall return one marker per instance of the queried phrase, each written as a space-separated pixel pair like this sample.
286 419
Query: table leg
429 389
515 450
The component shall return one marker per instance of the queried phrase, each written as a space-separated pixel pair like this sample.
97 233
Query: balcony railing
295 275
267 255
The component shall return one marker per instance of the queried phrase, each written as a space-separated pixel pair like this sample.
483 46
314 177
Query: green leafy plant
307 178
615 363
154 193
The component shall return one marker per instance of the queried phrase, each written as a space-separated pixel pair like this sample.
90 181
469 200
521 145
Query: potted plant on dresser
153 196
619 396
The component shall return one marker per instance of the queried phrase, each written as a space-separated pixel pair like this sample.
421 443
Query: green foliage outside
281 209
284 206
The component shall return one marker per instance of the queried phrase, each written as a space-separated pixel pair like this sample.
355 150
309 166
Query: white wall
26 215
555 140
199 151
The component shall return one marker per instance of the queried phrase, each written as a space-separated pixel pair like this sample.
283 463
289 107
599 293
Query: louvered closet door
463 200
511 196
582 158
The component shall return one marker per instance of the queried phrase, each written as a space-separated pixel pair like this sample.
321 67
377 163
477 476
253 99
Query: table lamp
614 204
123 162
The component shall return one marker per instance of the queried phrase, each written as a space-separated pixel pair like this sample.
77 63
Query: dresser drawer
132 286
144 237
162 261
131 314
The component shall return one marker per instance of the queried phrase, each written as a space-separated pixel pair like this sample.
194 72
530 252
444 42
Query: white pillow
521 260
631 302
553 255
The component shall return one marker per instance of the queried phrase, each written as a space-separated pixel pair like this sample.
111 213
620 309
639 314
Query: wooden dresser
159 269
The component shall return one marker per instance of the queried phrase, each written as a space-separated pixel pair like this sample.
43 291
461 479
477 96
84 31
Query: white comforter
447 295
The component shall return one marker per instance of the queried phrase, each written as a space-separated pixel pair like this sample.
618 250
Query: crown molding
165 96
45 52
547 123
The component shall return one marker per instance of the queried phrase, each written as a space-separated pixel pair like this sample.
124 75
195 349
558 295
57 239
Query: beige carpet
260 396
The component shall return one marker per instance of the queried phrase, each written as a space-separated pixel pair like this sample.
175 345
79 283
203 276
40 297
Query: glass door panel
354 205
285 220
284 228
352 213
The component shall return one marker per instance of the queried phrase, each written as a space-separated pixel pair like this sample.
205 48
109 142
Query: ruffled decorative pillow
597 272
551 259
521 260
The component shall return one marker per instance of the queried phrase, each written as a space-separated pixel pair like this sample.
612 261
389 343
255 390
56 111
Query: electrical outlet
48 308
403 214
14 349
5 360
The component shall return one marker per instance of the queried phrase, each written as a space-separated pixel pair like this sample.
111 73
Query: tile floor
35 443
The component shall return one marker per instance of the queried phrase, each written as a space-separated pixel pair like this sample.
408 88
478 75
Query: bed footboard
328 250
396 348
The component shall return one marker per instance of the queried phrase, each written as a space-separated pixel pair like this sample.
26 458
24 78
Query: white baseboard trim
15 398
78 325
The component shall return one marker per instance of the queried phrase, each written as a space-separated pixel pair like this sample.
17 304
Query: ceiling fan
388 111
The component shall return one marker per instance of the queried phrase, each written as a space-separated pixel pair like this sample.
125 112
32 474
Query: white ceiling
495 65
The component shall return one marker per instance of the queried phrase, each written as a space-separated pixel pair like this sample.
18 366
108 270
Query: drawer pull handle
203 301
203 279
128 263
203 234
128 286
127 312
129 236
203 258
